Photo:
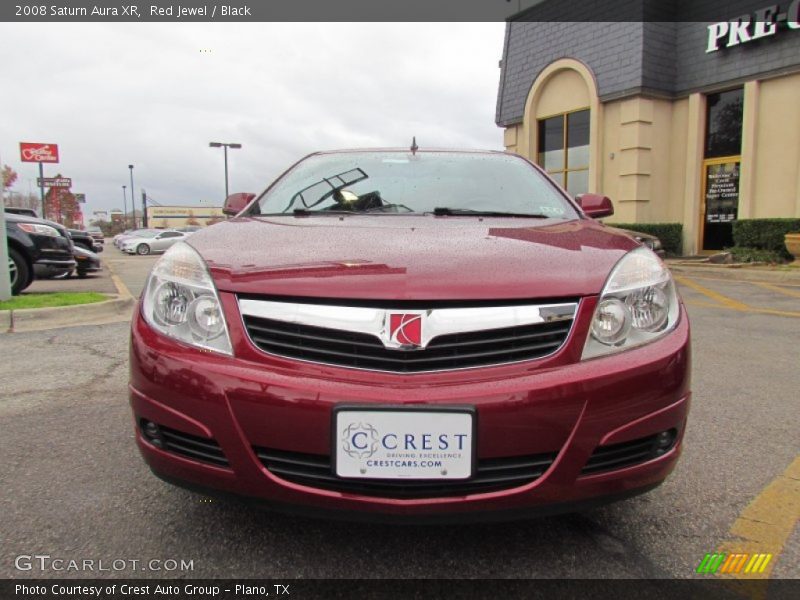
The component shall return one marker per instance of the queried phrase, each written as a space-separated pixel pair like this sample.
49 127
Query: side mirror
595 206
236 203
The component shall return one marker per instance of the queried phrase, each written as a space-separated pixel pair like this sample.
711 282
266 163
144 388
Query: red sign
36 152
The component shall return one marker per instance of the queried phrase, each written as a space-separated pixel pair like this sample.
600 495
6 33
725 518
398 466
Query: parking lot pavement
93 282
131 269
75 487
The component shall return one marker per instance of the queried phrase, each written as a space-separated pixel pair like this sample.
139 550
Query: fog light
152 433
664 441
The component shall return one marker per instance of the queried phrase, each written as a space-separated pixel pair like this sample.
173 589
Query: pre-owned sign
38 152
748 28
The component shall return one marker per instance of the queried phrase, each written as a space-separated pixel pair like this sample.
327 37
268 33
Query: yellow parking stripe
775 288
765 525
723 300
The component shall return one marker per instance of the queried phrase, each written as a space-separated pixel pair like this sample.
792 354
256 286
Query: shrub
670 234
764 234
745 255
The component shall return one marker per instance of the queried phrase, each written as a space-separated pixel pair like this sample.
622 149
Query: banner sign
54 182
38 152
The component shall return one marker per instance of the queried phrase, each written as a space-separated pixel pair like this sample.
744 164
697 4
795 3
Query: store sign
54 182
37 152
748 28
722 192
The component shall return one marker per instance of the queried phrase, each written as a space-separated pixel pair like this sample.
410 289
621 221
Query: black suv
36 246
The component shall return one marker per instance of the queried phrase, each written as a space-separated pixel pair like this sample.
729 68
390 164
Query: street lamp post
124 208
225 146
133 198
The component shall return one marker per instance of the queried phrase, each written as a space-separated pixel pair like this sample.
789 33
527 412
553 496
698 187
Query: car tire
82 274
19 270
142 249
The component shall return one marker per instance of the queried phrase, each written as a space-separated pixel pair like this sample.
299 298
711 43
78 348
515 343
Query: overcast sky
155 94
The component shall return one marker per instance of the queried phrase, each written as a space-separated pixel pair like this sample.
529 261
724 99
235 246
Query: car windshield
145 234
425 182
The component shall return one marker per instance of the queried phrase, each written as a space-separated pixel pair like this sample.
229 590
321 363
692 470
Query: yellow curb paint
122 289
775 288
765 525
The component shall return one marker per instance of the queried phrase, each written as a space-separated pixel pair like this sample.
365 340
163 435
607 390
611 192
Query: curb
737 272
117 308
37 319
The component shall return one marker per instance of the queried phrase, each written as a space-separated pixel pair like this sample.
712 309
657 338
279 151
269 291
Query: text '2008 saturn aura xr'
411 336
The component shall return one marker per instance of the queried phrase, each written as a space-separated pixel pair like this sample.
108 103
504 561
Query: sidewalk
786 274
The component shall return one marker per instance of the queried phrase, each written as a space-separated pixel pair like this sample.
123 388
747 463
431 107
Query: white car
152 241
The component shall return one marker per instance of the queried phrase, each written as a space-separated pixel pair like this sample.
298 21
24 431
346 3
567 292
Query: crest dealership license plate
404 443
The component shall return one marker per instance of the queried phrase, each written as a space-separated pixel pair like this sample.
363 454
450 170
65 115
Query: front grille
364 351
314 470
626 454
203 449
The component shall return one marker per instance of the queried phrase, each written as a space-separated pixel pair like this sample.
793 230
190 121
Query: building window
724 123
564 149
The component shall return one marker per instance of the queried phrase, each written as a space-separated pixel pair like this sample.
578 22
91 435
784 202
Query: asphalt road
74 486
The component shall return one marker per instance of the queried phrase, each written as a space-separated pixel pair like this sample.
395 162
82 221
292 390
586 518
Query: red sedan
412 335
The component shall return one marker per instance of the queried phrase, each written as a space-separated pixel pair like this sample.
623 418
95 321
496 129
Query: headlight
39 229
638 304
180 301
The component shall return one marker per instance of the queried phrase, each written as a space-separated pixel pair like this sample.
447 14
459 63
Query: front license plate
403 443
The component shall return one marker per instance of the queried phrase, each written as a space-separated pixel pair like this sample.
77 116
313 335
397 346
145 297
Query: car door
165 240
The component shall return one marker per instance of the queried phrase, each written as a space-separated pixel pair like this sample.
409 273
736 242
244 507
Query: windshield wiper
441 211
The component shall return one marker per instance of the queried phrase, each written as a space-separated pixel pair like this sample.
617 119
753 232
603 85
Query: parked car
85 240
152 242
87 262
17 210
131 233
97 234
412 335
36 248
646 239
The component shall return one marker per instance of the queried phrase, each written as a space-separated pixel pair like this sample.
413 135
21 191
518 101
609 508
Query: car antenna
414 146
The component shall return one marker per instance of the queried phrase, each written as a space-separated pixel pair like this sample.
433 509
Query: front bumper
554 405
48 267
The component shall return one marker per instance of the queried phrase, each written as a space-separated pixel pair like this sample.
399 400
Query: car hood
411 258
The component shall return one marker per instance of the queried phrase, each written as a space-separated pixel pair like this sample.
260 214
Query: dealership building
173 217
686 121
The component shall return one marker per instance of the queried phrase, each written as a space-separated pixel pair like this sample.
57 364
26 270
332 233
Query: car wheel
142 249
19 271
82 274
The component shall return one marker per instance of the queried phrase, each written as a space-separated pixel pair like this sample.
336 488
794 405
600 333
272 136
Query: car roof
408 150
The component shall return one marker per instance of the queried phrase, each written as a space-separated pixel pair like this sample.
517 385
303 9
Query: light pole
225 146
125 208
133 198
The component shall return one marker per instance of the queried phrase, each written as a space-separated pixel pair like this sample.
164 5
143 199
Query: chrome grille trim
351 337
438 322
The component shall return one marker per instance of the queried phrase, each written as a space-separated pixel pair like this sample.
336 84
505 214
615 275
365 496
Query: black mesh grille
314 470
626 454
203 449
453 351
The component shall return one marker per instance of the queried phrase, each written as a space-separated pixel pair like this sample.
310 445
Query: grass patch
54 299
